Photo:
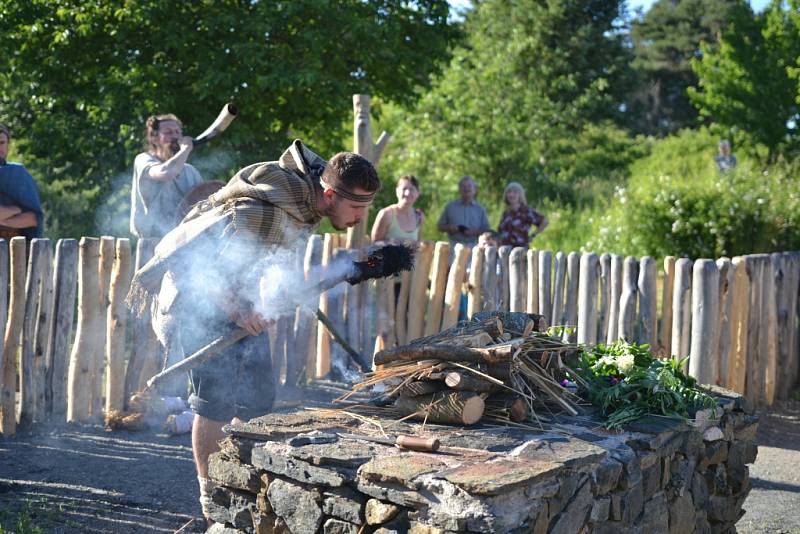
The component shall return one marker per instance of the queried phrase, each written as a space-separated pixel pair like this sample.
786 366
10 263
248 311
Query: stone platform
290 473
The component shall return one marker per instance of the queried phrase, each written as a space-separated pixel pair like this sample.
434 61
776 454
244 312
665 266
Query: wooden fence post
305 325
401 317
789 361
615 295
769 325
587 299
79 395
503 258
455 283
703 360
116 326
323 363
725 269
571 297
533 281
13 336
681 308
44 325
605 296
647 302
65 281
99 363
517 280
545 296
474 297
558 288
740 304
144 361
490 282
31 364
627 301
4 282
419 285
665 339
756 361
441 258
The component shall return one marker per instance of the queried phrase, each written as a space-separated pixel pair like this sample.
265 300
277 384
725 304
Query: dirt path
83 479
774 502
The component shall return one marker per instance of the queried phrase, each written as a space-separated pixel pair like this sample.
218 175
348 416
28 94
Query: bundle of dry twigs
500 367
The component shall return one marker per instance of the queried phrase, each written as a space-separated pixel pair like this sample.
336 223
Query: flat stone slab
500 476
573 453
401 469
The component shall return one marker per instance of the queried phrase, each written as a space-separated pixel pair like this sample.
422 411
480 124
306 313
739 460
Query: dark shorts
236 383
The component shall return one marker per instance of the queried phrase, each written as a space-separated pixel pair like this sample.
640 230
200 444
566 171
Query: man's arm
6 212
443 224
26 219
170 169
379 228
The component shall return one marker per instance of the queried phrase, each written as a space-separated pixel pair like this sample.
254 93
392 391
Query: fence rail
71 351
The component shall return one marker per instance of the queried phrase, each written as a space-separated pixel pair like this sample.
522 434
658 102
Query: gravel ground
77 479
774 502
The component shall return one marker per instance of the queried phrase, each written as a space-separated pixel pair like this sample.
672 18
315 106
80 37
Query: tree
81 76
530 75
665 40
747 84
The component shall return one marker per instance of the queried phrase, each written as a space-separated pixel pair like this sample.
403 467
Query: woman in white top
401 221
161 177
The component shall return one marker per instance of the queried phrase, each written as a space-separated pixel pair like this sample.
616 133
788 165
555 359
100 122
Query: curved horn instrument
223 120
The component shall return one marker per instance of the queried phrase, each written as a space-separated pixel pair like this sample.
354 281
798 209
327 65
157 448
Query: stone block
691 444
723 508
400 469
264 523
627 505
420 528
666 473
600 509
220 528
699 491
747 430
343 503
631 475
275 458
237 448
715 453
651 479
739 479
701 524
569 484
654 432
337 526
232 473
606 476
681 473
500 476
681 515
717 479
655 518
647 459
574 516
573 453
297 506
378 512
713 433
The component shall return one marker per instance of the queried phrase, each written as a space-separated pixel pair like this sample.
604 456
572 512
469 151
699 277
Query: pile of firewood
500 367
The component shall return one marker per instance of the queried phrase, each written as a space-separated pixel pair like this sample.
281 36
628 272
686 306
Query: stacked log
466 372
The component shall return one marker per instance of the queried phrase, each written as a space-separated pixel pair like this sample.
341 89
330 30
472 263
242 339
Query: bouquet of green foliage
628 383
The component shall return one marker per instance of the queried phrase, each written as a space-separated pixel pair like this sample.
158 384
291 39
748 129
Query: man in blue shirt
464 220
20 209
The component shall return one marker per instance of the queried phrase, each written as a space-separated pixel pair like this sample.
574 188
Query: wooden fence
71 351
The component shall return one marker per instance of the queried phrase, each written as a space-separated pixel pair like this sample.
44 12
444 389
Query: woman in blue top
20 208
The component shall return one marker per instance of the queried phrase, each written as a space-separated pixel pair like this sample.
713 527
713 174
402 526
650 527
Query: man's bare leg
206 434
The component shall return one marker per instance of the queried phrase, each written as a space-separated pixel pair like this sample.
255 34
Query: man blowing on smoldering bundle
200 280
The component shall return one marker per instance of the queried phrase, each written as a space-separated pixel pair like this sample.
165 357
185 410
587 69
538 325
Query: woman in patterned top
518 218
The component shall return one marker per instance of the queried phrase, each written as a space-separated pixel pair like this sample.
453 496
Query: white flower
625 363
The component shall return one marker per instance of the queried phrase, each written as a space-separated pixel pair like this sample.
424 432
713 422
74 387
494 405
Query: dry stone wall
290 473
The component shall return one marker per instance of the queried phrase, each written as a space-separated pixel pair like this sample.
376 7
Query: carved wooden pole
13 338
116 324
517 280
455 283
65 281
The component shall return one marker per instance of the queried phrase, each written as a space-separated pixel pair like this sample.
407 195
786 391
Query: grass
35 517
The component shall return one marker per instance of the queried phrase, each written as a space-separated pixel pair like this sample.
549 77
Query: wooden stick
503 259
13 337
517 280
724 324
558 289
740 303
323 363
441 259
571 298
31 364
475 297
79 395
116 327
647 302
464 381
533 281
516 407
450 353
419 286
615 295
665 335
703 362
491 285
356 358
458 407
418 388
681 308
627 302
545 297
455 283
587 299
65 281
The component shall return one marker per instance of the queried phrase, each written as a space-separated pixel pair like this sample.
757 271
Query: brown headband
349 195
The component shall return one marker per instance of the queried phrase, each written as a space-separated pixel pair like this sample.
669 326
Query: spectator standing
401 221
21 211
161 177
516 222
725 160
464 220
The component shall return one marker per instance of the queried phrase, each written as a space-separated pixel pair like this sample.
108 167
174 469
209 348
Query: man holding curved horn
161 177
